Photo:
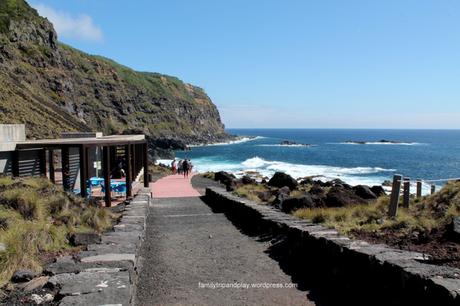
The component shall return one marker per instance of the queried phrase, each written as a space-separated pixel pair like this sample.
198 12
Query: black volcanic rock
291 204
293 143
264 196
317 189
364 192
224 177
341 197
378 190
246 179
281 179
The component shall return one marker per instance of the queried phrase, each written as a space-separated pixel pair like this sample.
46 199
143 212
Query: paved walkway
173 186
189 249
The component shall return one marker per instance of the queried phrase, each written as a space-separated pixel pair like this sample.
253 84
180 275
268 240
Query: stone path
174 186
189 249
106 273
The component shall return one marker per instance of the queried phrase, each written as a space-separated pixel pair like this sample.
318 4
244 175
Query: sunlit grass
37 217
250 191
423 215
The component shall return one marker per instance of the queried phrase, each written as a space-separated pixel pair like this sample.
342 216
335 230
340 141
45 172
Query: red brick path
173 186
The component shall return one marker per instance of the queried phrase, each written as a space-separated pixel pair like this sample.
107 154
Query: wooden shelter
75 159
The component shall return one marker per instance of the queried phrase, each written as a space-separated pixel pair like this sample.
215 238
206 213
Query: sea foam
239 140
377 143
351 175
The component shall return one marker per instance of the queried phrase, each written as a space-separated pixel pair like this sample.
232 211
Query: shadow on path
329 280
288 255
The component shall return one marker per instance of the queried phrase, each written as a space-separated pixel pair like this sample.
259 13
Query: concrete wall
9 135
334 269
12 132
81 134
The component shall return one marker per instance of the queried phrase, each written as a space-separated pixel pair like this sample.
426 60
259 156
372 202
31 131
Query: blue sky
293 63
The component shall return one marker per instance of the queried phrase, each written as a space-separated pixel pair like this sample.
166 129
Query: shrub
36 217
96 218
6 181
250 191
38 183
26 202
57 203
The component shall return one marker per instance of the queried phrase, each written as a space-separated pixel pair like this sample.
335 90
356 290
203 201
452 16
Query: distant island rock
382 141
293 143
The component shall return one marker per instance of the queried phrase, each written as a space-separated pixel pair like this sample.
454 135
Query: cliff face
53 88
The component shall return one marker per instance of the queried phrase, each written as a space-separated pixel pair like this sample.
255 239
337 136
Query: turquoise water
426 154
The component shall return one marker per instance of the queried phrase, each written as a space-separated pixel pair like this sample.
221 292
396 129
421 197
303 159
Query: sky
287 64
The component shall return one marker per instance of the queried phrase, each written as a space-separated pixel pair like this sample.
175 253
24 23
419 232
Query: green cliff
53 87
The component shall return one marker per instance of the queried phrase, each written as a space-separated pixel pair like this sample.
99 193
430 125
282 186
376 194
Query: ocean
424 154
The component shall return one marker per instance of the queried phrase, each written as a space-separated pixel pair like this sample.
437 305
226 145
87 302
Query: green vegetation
14 10
423 215
208 175
53 88
159 170
250 191
37 217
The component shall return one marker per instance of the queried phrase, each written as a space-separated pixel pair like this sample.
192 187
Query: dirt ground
442 250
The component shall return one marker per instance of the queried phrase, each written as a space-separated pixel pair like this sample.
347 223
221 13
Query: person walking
185 168
179 166
190 166
173 166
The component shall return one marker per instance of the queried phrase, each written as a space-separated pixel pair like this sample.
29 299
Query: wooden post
128 171
433 188
394 198
113 160
419 188
65 168
106 174
42 161
406 194
87 164
133 159
51 165
83 171
145 160
15 163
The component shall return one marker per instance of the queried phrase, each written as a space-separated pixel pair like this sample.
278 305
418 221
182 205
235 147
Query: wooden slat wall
6 163
29 163
74 166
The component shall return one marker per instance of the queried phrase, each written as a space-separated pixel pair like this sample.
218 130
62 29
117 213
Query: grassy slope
37 217
13 9
55 88
423 215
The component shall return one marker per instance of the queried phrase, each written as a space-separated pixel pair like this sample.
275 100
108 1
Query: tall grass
250 191
423 215
37 217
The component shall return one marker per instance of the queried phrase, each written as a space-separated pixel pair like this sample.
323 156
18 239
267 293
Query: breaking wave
239 140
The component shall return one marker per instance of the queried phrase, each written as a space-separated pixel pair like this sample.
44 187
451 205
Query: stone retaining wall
107 273
337 270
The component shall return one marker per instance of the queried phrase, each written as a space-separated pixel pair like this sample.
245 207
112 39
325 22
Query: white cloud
79 27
